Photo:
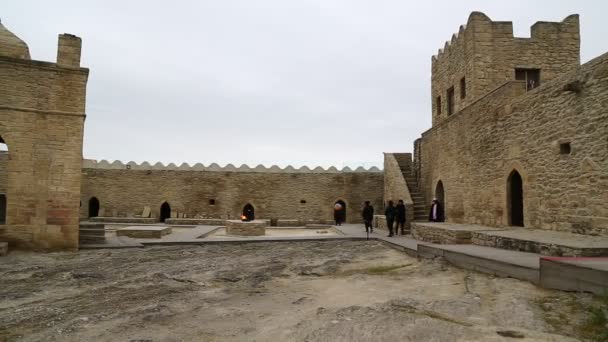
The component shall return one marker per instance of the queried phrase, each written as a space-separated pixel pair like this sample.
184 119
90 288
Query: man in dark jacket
368 217
400 217
436 214
390 212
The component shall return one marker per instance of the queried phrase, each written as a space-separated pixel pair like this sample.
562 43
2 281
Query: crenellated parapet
118 165
484 54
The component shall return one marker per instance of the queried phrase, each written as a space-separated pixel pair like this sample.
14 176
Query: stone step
91 239
90 225
95 232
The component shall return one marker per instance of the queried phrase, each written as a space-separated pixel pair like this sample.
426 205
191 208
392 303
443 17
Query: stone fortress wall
222 192
42 111
484 54
554 136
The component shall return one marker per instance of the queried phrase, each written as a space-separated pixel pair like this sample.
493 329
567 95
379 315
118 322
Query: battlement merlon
485 54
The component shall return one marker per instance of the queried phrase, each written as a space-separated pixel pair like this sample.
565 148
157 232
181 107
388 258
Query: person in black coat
400 208
390 213
436 213
368 217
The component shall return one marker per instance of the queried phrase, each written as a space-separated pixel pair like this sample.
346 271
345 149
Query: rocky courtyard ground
289 291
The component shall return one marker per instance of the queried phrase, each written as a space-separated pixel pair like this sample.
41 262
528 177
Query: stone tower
42 113
484 54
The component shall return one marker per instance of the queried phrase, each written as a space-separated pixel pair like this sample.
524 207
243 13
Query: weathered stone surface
146 212
3 248
41 120
250 228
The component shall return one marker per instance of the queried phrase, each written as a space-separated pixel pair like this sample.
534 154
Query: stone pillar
68 50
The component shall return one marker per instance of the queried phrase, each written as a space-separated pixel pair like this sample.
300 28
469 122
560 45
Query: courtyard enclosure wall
215 192
484 54
41 120
554 137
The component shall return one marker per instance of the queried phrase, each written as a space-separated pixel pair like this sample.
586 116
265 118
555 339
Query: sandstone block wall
41 120
485 53
275 195
474 151
3 172
395 185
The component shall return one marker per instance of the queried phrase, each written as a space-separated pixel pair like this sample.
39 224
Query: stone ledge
246 228
144 232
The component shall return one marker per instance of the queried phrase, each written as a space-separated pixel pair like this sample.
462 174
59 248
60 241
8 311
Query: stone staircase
92 233
405 164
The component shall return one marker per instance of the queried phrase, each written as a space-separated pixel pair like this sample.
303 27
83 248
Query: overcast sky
301 82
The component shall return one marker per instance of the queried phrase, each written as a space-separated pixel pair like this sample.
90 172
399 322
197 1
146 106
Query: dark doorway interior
93 207
440 196
165 212
341 214
516 199
2 208
248 212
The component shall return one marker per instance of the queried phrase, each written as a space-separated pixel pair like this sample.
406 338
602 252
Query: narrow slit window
438 104
450 95
463 88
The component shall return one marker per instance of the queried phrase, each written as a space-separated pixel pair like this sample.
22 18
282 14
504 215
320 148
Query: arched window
93 207
165 212
515 199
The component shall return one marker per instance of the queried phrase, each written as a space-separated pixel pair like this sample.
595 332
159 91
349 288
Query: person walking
400 218
436 214
389 213
368 217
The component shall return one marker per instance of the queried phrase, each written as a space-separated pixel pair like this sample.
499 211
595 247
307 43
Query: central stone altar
246 228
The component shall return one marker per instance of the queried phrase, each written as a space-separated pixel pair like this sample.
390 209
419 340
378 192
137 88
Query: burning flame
243 217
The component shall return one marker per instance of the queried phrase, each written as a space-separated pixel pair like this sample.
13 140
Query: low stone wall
439 235
195 222
251 228
510 243
146 220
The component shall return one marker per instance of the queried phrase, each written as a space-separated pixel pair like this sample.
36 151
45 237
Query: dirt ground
298 291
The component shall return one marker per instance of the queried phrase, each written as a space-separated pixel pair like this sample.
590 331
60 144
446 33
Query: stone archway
93 207
2 209
165 211
248 212
515 199
440 196
4 158
341 214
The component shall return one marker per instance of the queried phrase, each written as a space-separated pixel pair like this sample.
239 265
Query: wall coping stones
214 167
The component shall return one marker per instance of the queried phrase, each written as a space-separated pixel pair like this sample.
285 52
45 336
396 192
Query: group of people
396 214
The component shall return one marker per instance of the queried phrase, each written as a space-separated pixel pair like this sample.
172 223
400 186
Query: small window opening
212 201
302 201
564 148
450 95
530 76
463 88
438 105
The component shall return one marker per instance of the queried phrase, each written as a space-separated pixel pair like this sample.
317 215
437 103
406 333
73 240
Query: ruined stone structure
42 112
215 192
520 129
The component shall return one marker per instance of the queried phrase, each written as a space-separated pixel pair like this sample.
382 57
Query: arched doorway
2 209
165 211
93 207
248 212
3 179
515 199
440 196
340 214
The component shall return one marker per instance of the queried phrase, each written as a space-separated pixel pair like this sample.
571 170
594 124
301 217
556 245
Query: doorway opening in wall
515 199
93 207
3 179
2 209
165 212
248 213
340 212
530 76
440 196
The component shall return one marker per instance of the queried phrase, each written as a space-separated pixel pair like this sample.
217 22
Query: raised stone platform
447 233
144 232
144 220
545 242
246 228
575 274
